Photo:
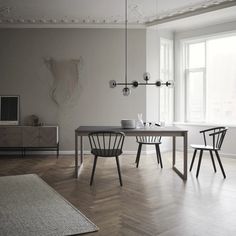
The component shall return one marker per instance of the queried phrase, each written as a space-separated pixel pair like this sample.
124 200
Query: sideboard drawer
30 136
48 136
43 136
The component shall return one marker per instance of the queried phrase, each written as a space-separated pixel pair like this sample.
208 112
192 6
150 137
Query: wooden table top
162 131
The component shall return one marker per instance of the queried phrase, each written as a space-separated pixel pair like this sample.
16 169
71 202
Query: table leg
185 144
76 155
81 150
173 150
185 157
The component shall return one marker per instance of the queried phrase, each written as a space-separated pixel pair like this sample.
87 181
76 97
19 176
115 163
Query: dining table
165 131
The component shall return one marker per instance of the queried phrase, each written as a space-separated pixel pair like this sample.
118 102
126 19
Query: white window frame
169 92
187 71
184 68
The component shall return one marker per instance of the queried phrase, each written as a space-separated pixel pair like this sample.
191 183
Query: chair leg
212 159
138 155
199 163
221 166
159 154
118 168
194 155
93 171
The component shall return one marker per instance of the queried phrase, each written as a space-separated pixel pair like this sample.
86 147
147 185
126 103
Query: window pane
195 99
221 80
197 55
163 105
166 73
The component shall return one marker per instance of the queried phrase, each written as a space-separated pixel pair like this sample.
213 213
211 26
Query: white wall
228 148
153 67
23 72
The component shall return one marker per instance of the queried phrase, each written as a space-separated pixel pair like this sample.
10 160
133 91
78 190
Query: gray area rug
30 207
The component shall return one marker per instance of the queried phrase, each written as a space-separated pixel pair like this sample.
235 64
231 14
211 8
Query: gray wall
23 72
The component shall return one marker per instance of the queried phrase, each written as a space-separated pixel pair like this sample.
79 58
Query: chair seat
106 152
154 142
203 147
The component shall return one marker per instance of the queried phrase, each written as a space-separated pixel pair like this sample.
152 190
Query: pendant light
146 76
126 91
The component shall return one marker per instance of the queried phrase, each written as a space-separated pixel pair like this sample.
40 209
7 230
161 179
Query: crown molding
83 26
193 10
137 19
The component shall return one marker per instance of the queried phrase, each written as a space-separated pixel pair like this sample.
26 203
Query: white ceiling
82 13
210 18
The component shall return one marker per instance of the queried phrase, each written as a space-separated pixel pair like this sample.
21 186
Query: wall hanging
65 78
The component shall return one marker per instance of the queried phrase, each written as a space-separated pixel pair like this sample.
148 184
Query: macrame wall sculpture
65 79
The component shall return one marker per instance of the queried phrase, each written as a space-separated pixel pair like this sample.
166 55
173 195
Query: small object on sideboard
35 120
32 120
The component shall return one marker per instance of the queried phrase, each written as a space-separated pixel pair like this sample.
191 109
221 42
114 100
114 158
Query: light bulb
158 83
126 91
112 83
135 84
170 83
146 76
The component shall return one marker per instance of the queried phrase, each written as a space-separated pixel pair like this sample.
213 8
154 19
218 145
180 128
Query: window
210 80
195 82
166 73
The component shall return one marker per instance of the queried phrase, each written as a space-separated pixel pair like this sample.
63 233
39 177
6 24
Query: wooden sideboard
29 138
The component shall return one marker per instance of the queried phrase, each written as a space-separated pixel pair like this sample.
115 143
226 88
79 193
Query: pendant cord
126 42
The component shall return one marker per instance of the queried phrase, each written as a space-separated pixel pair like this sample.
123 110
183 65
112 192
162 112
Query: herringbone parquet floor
151 202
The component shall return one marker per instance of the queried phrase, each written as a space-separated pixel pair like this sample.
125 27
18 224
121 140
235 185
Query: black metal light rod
130 83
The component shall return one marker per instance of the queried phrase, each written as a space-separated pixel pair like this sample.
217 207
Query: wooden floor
151 202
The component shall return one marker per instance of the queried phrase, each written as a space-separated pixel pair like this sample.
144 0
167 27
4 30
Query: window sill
203 124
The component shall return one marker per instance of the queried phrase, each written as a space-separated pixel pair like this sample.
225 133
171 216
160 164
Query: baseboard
125 152
72 152
229 155
10 153
223 154
86 152
145 152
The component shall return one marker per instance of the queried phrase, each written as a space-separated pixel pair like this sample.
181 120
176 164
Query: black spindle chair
106 144
149 140
217 135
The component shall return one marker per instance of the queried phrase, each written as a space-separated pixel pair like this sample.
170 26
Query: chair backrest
148 139
217 134
106 143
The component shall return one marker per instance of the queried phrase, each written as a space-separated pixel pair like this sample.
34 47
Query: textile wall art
65 75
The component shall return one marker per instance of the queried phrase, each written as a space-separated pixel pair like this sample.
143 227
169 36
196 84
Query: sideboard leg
57 150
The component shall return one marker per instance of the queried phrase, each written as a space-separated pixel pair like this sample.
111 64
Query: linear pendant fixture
146 76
